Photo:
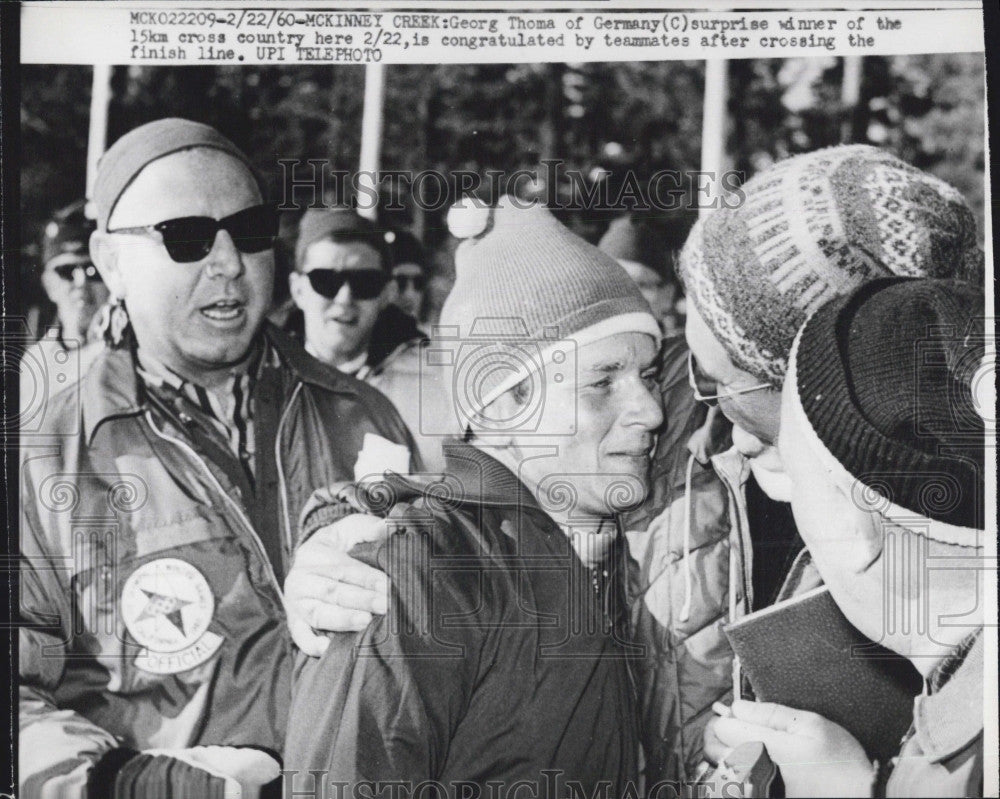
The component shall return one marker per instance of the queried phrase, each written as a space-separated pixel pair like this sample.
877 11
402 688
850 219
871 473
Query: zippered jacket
151 610
692 563
503 660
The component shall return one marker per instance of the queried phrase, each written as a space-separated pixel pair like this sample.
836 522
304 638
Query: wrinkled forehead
200 181
617 353
341 256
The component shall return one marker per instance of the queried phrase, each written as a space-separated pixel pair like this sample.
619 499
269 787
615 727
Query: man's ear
104 253
505 406
296 286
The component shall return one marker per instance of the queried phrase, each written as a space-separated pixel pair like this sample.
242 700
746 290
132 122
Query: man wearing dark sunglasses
67 333
192 441
69 277
344 290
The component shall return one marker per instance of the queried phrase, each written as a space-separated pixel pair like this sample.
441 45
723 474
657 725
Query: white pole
850 93
97 138
714 127
371 138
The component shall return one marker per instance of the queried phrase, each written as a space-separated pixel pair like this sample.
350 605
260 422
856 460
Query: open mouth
224 310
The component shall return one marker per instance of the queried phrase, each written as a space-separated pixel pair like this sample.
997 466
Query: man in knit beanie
883 437
510 568
159 665
811 228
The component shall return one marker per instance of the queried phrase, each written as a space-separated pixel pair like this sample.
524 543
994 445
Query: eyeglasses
67 272
366 284
404 281
191 238
706 390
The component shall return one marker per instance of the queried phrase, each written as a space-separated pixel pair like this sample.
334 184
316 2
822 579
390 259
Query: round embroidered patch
167 606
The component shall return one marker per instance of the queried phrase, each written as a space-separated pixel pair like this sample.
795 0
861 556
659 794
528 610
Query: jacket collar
306 368
110 387
949 719
483 479
392 330
732 467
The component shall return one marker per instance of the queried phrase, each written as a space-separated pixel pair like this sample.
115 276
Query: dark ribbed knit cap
138 148
886 379
340 224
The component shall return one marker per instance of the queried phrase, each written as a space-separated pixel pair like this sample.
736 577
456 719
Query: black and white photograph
419 400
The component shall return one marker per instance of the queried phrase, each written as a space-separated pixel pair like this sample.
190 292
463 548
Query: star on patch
168 607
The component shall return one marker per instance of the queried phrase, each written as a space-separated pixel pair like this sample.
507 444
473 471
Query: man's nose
747 444
224 260
645 409
345 296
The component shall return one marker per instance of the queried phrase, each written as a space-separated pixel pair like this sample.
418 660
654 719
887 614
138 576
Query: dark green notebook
804 653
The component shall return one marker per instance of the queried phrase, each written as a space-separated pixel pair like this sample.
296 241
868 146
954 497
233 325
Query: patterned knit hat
885 386
810 229
524 285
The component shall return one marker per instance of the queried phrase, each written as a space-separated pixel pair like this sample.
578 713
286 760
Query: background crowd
603 120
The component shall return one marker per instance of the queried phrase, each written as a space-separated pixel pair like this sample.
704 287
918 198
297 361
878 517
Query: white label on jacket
167 606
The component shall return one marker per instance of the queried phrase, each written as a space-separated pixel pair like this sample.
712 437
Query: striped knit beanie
813 228
885 382
522 277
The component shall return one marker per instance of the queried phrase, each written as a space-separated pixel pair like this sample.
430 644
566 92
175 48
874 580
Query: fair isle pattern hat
523 276
884 393
813 228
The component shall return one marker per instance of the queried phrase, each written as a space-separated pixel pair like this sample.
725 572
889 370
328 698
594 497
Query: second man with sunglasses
68 332
343 287
157 662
